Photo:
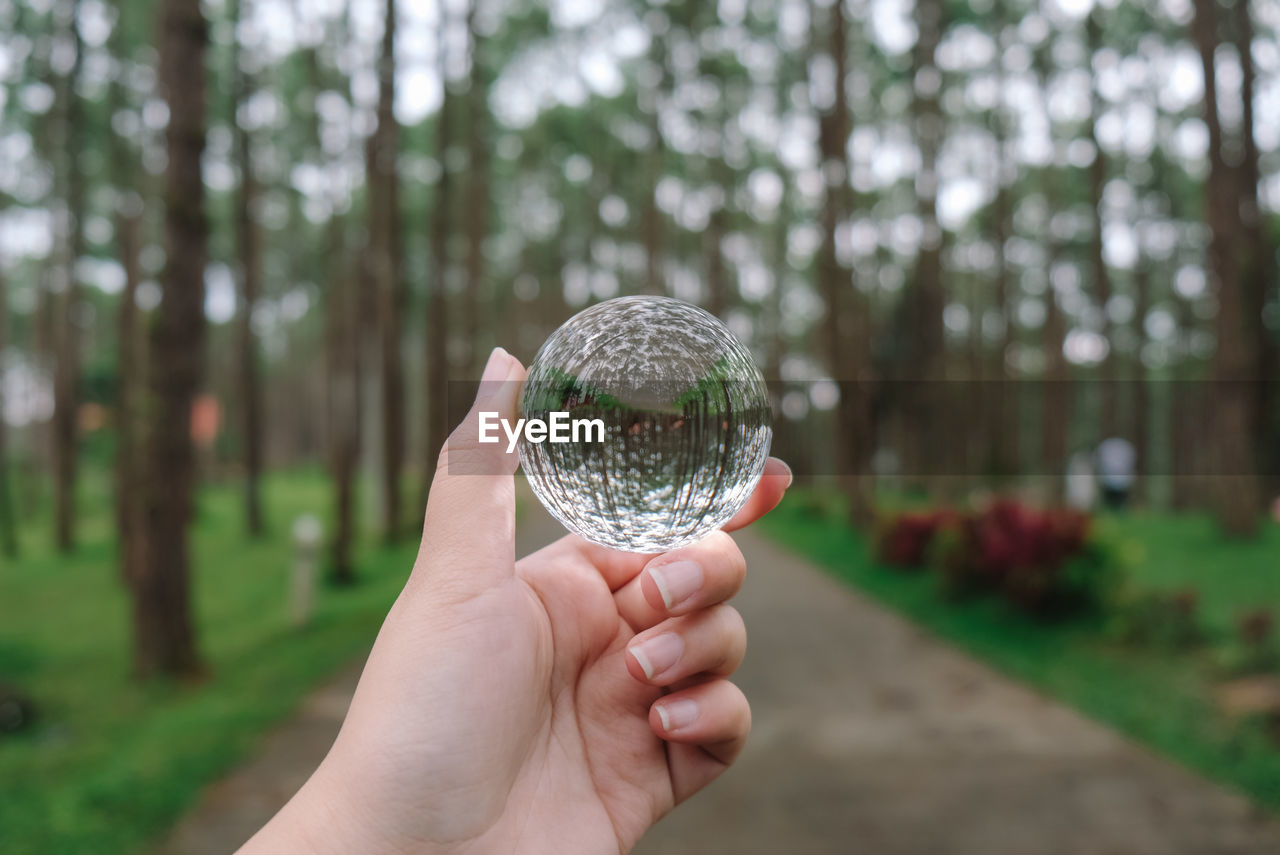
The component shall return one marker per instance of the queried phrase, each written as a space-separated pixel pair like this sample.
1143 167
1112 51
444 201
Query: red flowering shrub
1043 561
903 539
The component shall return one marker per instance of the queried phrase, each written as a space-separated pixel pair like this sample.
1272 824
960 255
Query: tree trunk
1108 423
437 351
717 276
1142 400
979 439
928 368
129 458
846 328
650 105
164 634
66 377
1056 400
1236 355
774 331
1259 275
1188 405
477 215
1003 452
344 400
384 246
8 531
1056 412
249 274
775 336
128 229
718 223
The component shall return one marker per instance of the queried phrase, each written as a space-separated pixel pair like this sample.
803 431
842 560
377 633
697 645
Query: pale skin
562 703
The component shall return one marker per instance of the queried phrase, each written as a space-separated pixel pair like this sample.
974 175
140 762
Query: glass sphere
681 413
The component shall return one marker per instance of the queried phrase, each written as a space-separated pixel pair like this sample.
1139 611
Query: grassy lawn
1190 551
110 763
1162 699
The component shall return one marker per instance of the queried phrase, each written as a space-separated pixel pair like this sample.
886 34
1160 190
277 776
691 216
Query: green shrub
1254 648
1166 620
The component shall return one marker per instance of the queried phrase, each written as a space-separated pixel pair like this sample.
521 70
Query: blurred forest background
248 246
257 233
964 238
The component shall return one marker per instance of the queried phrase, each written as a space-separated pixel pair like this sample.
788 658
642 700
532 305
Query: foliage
1168 620
820 505
1045 562
902 538
1254 648
109 763
1159 697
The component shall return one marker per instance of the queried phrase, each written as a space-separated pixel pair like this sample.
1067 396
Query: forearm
322 819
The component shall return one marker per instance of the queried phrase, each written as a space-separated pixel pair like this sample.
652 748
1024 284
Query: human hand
562 703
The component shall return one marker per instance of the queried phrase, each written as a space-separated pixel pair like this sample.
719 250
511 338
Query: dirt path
869 737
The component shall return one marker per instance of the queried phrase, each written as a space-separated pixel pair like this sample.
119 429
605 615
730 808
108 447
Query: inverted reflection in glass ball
686 424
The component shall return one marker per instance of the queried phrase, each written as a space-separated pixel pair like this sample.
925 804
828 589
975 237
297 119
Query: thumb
471 509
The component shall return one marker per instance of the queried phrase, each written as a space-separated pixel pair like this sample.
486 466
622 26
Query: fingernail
790 476
495 370
677 714
677 581
658 653
496 367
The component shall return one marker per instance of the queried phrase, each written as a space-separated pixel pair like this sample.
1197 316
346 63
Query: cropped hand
562 703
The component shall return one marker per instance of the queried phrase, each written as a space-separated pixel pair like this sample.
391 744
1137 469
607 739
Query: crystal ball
675 424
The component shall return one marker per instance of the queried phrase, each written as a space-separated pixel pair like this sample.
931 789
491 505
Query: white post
307 536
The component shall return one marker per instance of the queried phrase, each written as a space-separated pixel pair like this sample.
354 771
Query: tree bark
249 275
1003 411
928 367
1189 404
129 211
650 104
437 352
717 276
1056 412
1142 400
164 633
1259 259
1057 392
846 328
129 456
1236 354
384 229
66 377
774 330
1108 423
8 531
344 401
477 215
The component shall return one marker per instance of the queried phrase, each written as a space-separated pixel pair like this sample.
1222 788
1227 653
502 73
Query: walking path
869 737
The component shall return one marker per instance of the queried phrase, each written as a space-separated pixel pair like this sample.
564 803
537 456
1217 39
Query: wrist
327 817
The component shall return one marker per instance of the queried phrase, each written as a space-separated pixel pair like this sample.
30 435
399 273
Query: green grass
1162 699
1191 552
111 763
